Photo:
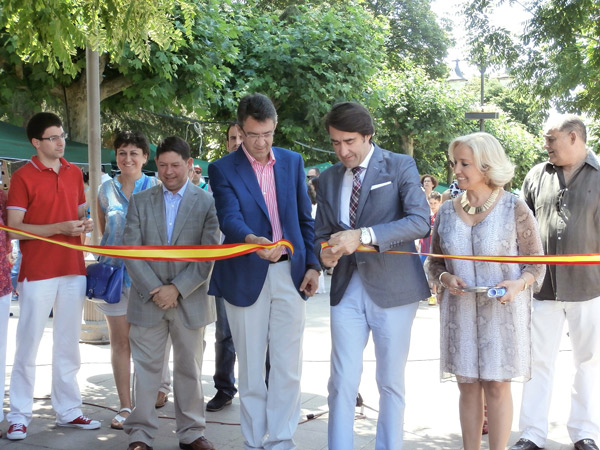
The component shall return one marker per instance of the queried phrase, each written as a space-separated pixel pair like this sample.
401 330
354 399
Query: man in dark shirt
564 194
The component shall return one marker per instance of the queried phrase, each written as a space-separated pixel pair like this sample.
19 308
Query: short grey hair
568 123
488 155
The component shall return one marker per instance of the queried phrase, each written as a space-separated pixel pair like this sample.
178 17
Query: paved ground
431 412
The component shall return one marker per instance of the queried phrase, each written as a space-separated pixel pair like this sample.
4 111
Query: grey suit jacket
394 205
196 224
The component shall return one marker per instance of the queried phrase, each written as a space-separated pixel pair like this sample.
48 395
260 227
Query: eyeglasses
63 136
256 136
198 171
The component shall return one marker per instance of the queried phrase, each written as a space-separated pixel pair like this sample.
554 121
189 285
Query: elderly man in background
564 195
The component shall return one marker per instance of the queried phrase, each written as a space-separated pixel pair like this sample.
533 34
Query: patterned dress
482 339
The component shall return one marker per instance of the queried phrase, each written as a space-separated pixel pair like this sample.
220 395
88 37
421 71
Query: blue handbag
105 282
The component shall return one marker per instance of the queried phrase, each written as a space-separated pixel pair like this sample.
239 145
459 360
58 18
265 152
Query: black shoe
218 402
524 444
586 444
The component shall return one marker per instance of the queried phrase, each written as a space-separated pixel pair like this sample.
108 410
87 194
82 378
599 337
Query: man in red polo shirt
46 197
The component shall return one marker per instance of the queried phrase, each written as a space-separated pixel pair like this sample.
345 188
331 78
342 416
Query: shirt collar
253 160
35 160
591 159
180 192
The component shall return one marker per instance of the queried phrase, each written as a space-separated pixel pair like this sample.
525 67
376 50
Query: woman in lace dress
485 342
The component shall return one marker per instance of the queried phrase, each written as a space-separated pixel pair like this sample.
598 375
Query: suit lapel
247 175
190 197
335 191
282 183
372 175
158 209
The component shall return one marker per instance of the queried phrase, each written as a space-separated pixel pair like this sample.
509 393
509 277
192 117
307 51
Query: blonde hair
488 155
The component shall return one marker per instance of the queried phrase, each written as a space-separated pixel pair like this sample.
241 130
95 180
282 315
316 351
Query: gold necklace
464 202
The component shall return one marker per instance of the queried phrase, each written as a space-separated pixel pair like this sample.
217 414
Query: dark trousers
224 352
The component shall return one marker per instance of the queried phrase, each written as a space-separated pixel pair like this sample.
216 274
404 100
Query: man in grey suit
371 197
169 298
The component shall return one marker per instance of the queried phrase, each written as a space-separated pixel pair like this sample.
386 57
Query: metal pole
94 142
481 121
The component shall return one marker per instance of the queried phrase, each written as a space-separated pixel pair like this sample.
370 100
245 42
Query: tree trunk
408 145
76 107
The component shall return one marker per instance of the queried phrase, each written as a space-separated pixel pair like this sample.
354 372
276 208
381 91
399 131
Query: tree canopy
557 58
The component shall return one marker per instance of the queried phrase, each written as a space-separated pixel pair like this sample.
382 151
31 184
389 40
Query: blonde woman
485 342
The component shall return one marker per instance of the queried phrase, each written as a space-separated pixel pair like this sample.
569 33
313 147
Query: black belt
284 257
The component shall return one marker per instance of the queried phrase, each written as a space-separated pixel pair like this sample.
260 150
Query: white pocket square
377 186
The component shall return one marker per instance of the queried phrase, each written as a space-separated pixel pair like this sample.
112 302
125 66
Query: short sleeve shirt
48 197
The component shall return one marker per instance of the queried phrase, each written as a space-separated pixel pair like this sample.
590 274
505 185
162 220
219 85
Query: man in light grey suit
169 298
372 197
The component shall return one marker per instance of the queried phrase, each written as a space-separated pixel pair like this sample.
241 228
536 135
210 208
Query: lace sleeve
529 242
435 266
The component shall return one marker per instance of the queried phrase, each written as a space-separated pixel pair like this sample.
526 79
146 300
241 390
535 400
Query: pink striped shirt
266 180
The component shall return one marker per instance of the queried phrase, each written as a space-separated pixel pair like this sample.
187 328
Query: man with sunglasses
563 194
261 198
46 198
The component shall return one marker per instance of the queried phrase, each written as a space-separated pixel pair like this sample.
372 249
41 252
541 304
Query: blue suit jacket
394 205
242 210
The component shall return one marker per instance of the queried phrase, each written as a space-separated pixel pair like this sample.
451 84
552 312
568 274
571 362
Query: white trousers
276 320
4 315
37 298
351 322
583 319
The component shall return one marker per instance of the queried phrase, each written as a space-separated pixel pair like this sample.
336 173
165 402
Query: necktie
356 171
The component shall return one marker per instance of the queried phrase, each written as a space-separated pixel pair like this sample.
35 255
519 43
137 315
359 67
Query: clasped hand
165 296
341 243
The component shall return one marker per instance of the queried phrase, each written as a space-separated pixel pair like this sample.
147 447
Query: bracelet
440 278
526 285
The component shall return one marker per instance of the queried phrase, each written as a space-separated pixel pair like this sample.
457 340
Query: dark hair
132 138
434 180
40 122
229 127
174 144
350 117
86 177
257 106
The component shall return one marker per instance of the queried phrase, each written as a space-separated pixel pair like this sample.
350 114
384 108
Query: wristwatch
365 236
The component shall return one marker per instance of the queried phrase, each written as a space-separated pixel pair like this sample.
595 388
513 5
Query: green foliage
524 149
407 104
51 32
521 107
305 60
556 59
415 35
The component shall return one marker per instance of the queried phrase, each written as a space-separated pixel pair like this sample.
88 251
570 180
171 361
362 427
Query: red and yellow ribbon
589 258
162 253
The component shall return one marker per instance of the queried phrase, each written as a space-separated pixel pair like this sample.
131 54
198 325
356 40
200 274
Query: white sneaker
17 431
82 422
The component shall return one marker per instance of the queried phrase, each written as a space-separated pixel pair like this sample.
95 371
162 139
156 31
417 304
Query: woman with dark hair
428 183
132 152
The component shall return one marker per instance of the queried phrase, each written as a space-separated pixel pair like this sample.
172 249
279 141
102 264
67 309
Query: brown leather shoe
139 445
199 444
161 399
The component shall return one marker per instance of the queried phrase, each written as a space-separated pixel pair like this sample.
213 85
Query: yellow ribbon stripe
589 258
162 253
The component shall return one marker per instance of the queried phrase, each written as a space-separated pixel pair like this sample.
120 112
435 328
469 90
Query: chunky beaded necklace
464 202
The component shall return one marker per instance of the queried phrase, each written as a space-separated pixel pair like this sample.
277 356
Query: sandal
117 421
